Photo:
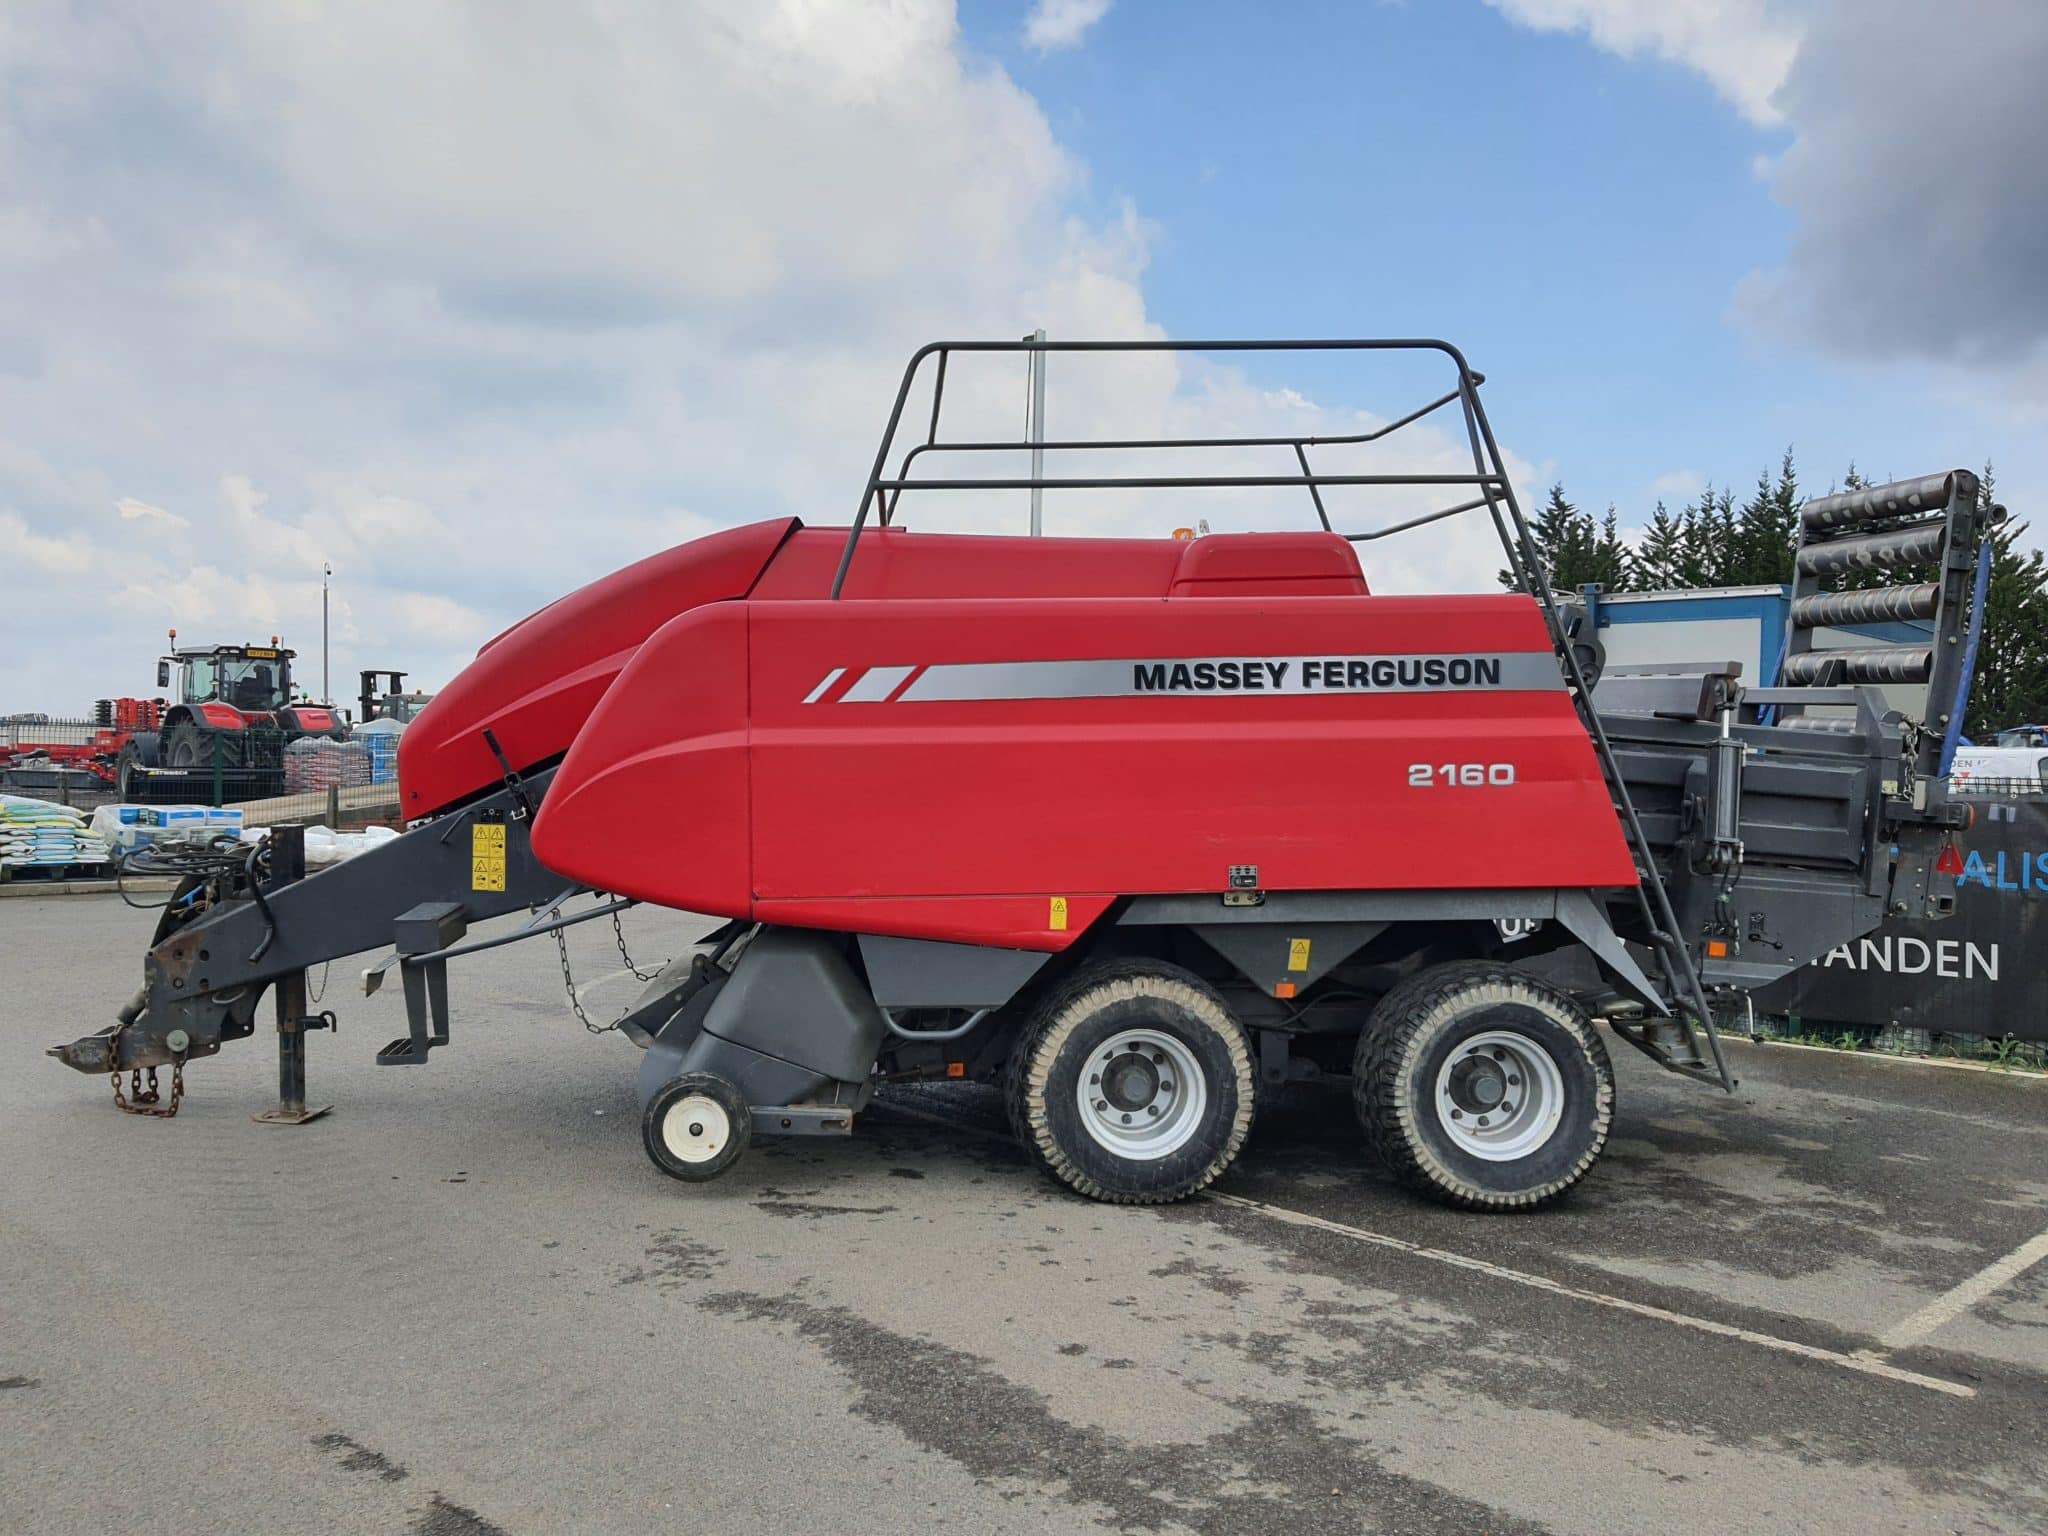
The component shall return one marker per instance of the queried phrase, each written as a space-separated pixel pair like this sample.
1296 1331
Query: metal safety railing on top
1488 481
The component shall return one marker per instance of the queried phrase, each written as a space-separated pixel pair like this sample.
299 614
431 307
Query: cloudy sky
478 301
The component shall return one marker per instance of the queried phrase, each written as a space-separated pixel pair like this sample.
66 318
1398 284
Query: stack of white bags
37 834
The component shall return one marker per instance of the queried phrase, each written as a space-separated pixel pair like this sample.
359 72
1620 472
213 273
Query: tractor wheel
1133 1083
1483 1087
127 780
185 748
697 1127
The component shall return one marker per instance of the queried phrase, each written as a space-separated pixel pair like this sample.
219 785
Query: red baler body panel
884 763
534 685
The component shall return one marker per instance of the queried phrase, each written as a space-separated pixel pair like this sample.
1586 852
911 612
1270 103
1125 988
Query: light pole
326 689
1035 412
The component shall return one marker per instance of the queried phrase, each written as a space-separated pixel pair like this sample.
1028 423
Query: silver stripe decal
1497 672
875 685
818 692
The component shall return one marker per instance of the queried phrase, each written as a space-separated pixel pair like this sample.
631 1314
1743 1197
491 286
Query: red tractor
233 715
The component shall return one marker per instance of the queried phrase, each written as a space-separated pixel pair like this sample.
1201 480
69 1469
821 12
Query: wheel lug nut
1507 1109
1101 1104
1499 1054
1094 1078
1127 1119
1514 1081
1482 1119
1159 1058
1457 1114
1166 1085
1153 1110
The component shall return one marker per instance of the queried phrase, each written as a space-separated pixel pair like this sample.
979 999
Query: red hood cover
533 686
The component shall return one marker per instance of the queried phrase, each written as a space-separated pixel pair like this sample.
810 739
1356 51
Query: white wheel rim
1142 1094
695 1129
1499 1096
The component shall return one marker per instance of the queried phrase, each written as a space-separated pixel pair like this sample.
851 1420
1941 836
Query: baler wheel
1483 1087
697 1127
1132 1084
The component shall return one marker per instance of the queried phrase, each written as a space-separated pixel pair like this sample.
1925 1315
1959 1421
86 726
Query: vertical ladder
1674 1043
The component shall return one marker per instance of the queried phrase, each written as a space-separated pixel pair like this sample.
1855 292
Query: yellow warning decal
1297 954
1056 919
487 856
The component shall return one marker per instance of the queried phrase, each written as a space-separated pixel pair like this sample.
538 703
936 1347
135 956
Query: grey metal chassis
1777 844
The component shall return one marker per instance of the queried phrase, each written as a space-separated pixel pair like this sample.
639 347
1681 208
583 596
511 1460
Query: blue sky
477 302
1577 221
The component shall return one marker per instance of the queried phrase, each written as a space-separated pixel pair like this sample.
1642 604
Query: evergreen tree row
1714 542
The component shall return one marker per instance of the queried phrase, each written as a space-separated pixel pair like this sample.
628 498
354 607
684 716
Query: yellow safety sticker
1056 919
487 856
1297 954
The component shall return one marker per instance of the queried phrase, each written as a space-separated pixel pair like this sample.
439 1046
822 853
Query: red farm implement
1136 828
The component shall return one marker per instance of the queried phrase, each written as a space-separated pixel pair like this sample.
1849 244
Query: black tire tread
1063 1011
1395 1033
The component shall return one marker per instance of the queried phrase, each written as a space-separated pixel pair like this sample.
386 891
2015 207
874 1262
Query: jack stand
288 863
292 1022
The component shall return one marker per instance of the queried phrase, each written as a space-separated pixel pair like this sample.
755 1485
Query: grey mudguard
921 973
794 996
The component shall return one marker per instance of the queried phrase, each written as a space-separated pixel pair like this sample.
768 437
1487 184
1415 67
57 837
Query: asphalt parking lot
466 1303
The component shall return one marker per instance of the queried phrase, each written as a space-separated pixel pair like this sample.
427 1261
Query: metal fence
277 780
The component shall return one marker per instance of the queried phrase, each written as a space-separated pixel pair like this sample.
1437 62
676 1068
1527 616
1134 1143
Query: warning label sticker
487 856
1056 919
1297 954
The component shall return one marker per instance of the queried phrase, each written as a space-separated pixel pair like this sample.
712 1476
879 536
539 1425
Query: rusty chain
619 937
140 1100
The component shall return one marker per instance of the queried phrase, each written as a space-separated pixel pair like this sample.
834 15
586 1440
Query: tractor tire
1483 1087
697 1127
185 748
127 781
1132 1084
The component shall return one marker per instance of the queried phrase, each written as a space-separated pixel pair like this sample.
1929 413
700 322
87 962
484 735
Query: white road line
584 989
1950 1305
1868 1365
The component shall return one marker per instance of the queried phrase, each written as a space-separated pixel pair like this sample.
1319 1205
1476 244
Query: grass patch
2003 1053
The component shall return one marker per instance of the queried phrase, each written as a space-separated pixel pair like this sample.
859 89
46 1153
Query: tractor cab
228 715
251 680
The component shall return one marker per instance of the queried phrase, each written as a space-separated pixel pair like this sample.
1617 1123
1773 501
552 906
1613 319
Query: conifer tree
1657 561
1612 561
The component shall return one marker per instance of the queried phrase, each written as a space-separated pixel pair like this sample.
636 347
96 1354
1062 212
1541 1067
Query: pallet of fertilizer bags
315 763
37 835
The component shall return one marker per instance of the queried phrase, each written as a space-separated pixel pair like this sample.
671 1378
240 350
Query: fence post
334 807
219 753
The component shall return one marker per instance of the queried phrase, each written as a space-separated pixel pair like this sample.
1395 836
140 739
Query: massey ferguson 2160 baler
1136 827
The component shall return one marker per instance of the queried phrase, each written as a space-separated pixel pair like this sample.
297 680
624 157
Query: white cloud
21 546
1056 24
1744 48
478 309
133 511
1677 485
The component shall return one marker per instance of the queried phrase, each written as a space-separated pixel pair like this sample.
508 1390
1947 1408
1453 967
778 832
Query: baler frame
1683 994
784 1021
